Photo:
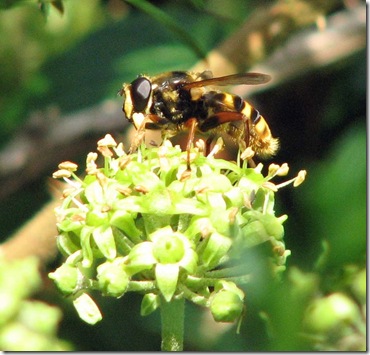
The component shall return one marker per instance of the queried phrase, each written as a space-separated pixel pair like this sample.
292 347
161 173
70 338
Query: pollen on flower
247 154
103 180
163 160
273 168
107 141
126 191
232 214
200 145
167 143
124 161
68 165
162 151
283 170
300 178
258 168
120 150
277 170
91 167
269 185
105 151
217 148
141 188
68 192
91 157
62 173
201 189
186 174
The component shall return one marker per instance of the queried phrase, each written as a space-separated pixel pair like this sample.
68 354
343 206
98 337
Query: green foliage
26 324
336 193
27 40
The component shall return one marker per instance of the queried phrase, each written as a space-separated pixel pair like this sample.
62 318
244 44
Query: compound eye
140 93
255 116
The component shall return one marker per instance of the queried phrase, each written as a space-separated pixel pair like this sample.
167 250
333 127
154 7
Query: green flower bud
39 317
330 312
213 182
260 227
217 247
87 309
18 280
112 279
254 233
18 337
234 197
69 225
9 305
226 306
273 226
229 286
359 286
66 278
67 243
140 258
168 249
149 304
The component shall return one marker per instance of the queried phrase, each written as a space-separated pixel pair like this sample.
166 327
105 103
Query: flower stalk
172 318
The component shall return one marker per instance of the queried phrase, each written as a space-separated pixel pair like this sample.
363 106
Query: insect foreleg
191 124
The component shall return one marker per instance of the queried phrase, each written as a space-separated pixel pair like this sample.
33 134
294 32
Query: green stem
172 316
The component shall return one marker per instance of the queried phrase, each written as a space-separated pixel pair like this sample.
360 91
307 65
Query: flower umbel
144 223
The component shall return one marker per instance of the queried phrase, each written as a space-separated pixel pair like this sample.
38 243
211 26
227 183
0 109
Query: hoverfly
179 100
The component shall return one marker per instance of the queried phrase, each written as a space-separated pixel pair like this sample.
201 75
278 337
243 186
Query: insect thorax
173 103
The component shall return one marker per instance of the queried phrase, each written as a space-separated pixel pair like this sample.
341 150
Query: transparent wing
235 79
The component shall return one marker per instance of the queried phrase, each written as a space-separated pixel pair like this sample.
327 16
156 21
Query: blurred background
61 66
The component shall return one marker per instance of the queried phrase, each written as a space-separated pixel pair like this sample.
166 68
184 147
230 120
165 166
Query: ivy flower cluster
143 223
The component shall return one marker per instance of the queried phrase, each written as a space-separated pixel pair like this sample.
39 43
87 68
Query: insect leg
191 124
232 130
241 134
